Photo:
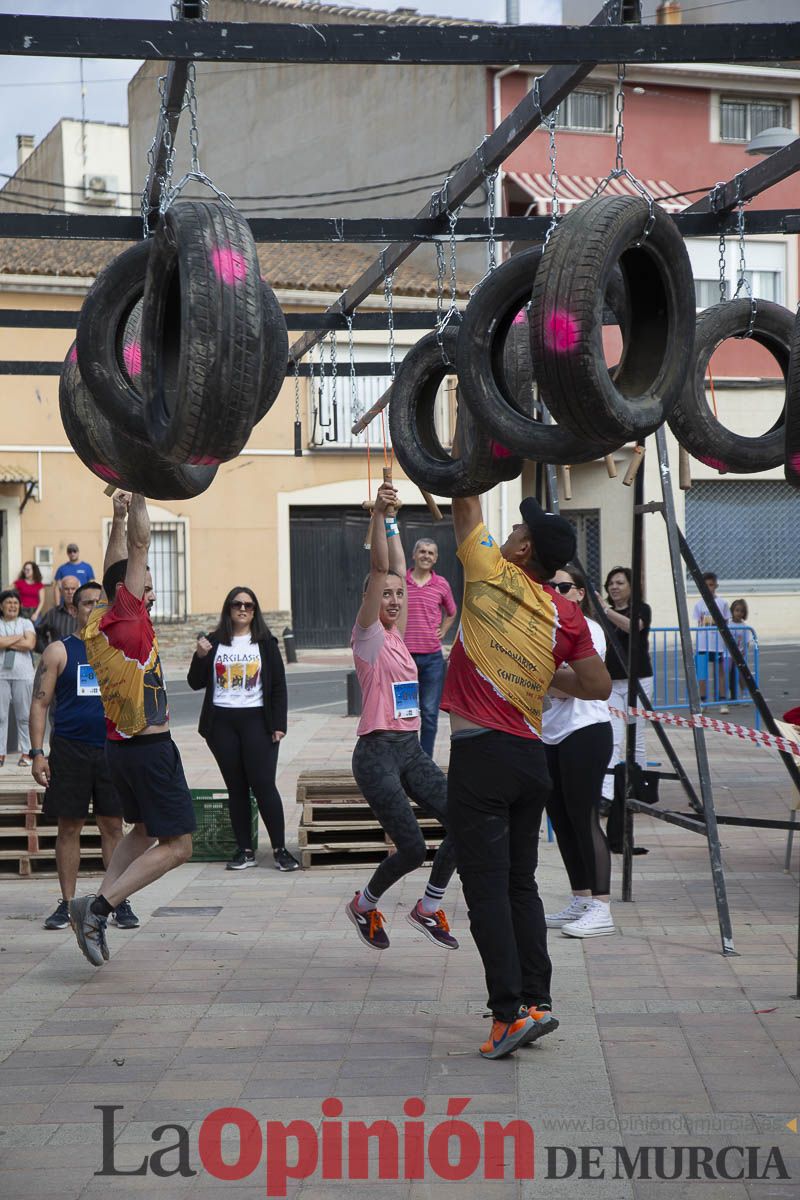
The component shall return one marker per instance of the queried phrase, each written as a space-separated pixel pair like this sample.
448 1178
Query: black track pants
577 767
389 768
248 760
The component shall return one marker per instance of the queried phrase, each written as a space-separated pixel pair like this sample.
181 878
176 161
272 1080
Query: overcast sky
36 92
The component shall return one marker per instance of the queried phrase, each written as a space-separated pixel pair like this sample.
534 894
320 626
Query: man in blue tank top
76 770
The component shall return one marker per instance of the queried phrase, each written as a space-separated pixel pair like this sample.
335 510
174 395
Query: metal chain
440 270
169 157
334 384
388 296
619 132
195 172
296 366
549 123
491 184
742 282
355 408
620 170
714 201
453 310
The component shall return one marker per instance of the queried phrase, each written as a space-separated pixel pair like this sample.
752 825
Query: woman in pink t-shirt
389 764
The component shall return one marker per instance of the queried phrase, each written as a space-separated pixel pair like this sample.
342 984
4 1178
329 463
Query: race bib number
406 698
87 681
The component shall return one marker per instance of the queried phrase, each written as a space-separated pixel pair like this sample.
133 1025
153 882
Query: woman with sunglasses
619 586
244 718
578 740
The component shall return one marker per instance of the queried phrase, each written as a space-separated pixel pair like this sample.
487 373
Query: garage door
329 562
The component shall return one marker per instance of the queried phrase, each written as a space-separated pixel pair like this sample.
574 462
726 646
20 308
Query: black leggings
248 760
577 767
388 768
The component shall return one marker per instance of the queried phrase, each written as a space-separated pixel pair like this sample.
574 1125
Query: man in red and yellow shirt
515 636
143 761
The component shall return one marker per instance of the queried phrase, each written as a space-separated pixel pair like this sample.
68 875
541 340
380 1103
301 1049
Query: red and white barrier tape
758 738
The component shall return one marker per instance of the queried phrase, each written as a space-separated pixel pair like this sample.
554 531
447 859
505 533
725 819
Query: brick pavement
270 1005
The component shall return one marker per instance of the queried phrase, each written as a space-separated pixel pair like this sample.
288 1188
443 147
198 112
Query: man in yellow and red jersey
143 761
515 636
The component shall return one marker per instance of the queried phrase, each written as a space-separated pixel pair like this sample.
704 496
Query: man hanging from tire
75 772
515 636
143 761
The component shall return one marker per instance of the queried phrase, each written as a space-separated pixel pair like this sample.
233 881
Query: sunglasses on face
563 587
247 605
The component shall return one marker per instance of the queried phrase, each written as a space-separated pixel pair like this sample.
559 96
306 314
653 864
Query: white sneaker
576 908
595 922
724 709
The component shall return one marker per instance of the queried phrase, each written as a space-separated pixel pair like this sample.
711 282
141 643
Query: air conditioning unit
100 189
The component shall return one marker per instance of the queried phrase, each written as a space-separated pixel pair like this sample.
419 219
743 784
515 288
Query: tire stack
181 349
539 317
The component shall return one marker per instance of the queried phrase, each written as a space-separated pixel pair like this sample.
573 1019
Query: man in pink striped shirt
431 612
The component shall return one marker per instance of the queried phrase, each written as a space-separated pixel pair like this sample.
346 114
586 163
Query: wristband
36 753
391 527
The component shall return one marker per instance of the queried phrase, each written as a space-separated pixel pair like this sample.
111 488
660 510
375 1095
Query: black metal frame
604 40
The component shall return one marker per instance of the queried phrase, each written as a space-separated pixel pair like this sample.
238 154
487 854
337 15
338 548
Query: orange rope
383 435
713 394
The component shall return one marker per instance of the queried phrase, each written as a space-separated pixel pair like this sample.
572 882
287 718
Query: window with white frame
741 118
336 404
587 109
765 270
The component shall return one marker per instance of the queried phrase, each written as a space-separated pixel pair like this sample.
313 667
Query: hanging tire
415 441
115 457
567 319
275 353
488 319
109 344
791 456
693 422
202 333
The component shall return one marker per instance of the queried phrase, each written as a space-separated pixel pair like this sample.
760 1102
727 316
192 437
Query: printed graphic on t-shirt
237 671
87 681
406 698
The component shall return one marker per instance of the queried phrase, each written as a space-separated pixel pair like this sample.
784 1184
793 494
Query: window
739 530
765 269
741 118
586 109
586 523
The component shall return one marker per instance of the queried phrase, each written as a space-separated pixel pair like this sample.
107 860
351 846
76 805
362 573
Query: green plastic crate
213 840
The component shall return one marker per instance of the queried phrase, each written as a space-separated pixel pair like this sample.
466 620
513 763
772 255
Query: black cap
553 537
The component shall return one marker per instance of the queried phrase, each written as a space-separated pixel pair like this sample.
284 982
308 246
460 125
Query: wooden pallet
28 837
338 828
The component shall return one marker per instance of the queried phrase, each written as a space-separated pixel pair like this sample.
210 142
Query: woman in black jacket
244 718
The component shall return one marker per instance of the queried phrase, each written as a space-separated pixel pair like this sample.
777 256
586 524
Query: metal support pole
637 558
703 769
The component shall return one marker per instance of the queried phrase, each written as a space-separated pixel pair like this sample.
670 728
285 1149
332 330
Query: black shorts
78 774
147 774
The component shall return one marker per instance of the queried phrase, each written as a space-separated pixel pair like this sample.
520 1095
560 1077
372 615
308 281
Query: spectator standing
60 621
744 637
30 589
73 566
431 612
17 640
710 648
244 718
618 587
75 774
578 741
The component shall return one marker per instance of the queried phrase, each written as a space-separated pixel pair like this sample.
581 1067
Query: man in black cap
516 635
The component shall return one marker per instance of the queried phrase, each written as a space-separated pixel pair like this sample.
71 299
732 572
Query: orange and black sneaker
369 925
543 1020
507 1036
433 925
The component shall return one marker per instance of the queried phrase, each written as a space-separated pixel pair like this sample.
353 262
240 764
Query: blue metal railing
717 675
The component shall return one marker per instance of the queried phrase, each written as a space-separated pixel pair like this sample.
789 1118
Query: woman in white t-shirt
17 639
244 719
578 741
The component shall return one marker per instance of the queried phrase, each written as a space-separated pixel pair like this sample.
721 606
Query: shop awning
573 189
15 475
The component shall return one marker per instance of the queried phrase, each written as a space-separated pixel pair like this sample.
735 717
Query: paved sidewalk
263 999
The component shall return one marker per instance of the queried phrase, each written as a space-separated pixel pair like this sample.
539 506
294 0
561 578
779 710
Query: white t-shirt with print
711 642
20 661
563 717
237 674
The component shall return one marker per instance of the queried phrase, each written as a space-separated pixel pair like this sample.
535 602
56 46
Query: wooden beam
396 44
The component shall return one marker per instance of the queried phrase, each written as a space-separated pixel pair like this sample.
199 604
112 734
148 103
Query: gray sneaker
90 930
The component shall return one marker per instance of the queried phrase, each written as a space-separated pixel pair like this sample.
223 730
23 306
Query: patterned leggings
389 768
